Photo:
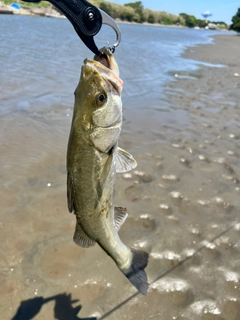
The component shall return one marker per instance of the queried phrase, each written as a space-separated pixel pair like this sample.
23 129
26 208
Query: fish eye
100 98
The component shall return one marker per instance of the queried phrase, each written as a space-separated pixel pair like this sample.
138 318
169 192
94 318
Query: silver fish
93 159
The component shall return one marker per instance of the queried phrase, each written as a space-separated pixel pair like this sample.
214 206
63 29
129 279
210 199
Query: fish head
100 87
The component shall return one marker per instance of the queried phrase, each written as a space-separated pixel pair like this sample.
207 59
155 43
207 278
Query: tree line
135 12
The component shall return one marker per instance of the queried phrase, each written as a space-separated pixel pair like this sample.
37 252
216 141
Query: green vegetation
42 4
135 12
138 10
236 22
190 21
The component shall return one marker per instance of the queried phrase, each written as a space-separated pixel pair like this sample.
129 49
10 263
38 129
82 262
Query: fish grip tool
86 19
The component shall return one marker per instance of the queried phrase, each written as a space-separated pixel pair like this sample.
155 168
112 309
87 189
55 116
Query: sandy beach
183 205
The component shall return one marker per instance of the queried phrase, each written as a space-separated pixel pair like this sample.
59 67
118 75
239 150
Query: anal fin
120 215
81 239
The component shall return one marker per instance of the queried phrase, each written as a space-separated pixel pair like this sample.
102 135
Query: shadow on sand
63 308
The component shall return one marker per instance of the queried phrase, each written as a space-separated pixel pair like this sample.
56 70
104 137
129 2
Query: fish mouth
106 66
107 59
103 59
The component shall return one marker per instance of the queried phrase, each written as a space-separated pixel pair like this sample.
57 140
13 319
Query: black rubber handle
85 18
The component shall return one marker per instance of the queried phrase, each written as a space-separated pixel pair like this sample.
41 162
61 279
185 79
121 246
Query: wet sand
183 205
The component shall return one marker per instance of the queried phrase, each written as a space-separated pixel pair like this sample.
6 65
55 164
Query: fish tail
135 273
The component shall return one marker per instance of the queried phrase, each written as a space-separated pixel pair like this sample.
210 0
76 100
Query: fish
94 159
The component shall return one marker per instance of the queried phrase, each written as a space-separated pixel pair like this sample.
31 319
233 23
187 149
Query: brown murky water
183 200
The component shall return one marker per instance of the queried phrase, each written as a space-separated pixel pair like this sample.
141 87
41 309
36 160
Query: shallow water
183 199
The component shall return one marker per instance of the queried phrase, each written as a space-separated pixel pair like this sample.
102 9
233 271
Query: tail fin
135 273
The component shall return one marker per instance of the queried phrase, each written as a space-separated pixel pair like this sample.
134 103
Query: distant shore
52 13
49 12
43 12
150 24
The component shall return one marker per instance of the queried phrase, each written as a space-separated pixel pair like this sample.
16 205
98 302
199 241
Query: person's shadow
63 309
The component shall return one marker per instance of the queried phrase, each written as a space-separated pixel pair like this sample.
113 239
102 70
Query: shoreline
149 24
219 64
219 54
212 58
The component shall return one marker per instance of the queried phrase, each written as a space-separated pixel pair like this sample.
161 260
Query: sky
222 10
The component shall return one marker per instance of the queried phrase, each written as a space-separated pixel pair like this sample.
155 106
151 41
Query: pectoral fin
124 161
120 215
81 239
